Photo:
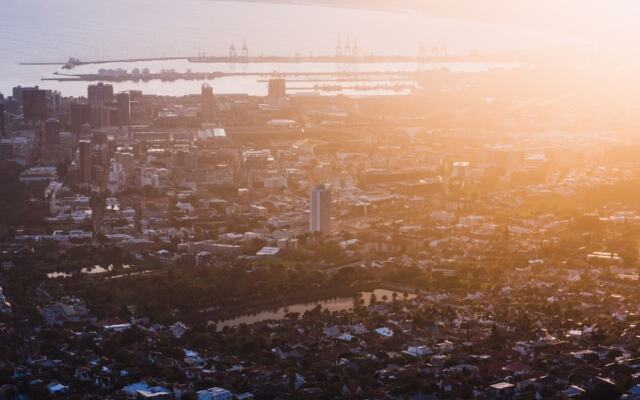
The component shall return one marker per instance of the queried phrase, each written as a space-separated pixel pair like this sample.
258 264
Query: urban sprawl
476 239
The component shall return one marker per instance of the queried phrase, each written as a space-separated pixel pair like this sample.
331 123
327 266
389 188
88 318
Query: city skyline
322 199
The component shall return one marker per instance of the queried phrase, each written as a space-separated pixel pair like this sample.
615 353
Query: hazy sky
588 22
46 29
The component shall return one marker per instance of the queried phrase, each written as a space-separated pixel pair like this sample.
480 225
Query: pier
365 59
73 62
174 76
337 59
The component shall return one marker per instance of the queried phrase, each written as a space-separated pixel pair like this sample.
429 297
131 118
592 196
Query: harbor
342 56
173 75
181 77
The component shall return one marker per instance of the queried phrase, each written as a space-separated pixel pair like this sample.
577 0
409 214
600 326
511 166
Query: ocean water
54 30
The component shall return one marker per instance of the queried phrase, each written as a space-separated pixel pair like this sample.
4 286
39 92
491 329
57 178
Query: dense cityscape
444 234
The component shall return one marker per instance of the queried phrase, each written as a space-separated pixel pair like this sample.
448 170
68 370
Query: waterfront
335 304
245 84
477 238
210 27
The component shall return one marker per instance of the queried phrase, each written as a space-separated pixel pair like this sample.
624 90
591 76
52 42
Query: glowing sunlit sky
601 22
43 30
608 23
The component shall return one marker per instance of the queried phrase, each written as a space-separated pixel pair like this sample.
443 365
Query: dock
200 76
364 59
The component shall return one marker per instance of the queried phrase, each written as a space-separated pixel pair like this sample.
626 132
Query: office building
127 160
18 91
86 163
11 106
53 99
58 146
99 175
100 94
52 131
124 108
34 105
2 121
6 149
208 103
277 89
80 115
135 96
66 139
320 210
100 117
99 138
17 149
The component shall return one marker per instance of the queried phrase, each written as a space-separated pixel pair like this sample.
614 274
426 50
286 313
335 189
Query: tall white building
320 207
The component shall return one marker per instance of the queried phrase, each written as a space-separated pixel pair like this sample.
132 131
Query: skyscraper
135 96
80 115
52 131
320 209
52 100
277 89
124 108
100 116
18 90
34 105
86 165
100 94
2 127
208 103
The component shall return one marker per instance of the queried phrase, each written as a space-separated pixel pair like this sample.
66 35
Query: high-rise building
17 149
52 100
127 160
99 175
86 164
100 116
277 89
52 131
208 103
6 149
11 106
99 138
18 90
320 209
124 108
2 122
58 146
34 105
135 95
100 94
66 139
80 115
